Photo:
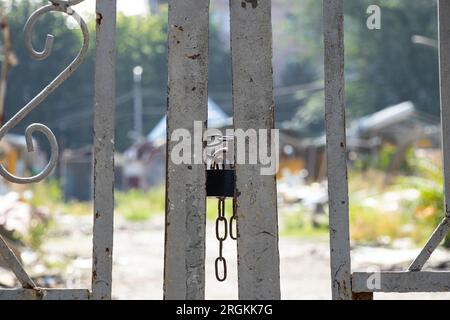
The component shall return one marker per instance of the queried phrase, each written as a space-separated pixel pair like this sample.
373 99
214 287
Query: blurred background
394 140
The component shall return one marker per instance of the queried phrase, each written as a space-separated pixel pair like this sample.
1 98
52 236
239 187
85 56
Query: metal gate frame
186 210
253 106
103 151
345 284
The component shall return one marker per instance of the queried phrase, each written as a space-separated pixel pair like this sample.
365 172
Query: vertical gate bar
253 104
333 11
105 91
444 75
184 261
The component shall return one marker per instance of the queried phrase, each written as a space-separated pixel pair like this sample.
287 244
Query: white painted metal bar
184 263
16 267
333 12
444 68
44 294
253 104
401 282
437 237
104 149
444 72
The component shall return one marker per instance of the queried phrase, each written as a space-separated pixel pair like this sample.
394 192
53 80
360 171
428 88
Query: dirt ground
138 261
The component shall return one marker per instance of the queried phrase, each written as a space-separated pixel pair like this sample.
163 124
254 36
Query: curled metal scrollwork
63 6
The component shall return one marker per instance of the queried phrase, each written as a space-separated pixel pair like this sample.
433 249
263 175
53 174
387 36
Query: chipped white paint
184 265
105 91
333 12
253 104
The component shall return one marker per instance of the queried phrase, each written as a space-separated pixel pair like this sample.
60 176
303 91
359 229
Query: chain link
221 235
223 227
233 221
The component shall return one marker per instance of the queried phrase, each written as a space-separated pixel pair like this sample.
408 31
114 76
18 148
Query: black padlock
220 183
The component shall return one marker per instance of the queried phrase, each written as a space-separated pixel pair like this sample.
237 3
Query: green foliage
137 205
429 207
298 223
37 232
141 40
212 208
46 194
369 225
383 67
388 66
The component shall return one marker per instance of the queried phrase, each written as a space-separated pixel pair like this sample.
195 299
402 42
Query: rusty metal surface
104 113
184 263
336 149
253 105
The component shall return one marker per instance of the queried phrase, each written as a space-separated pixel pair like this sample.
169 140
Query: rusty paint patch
254 3
193 56
99 19
179 28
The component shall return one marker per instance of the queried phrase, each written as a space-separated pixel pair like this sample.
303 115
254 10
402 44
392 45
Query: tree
141 40
383 67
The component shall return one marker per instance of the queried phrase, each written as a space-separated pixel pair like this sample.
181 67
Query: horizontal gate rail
401 282
45 294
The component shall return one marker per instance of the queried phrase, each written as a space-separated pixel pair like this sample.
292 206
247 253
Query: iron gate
345 284
255 195
103 149
253 106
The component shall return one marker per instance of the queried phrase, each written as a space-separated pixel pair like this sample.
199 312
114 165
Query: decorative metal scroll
55 6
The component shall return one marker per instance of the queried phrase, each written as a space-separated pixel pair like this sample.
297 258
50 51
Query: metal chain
221 237
233 221
222 225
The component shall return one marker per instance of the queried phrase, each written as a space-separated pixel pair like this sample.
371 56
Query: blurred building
76 171
401 125
146 160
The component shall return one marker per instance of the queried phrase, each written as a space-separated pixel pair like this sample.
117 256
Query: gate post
184 261
253 105
105 94
333 11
